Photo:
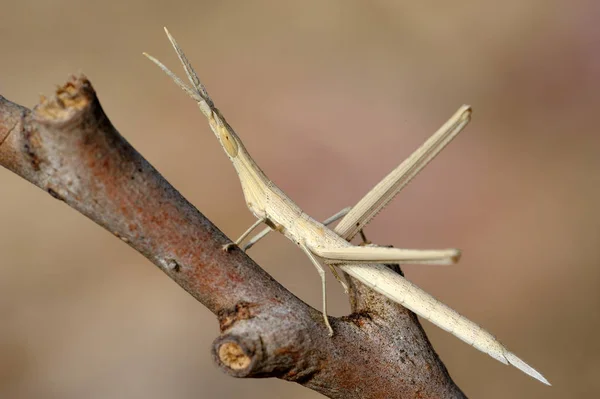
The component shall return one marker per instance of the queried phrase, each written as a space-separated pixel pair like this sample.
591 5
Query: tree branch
68 147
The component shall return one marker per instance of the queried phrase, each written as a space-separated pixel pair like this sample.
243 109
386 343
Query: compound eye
229 143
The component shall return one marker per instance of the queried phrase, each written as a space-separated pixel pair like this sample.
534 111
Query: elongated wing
394 286
376 199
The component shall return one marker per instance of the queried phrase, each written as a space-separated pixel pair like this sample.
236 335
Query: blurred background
328 96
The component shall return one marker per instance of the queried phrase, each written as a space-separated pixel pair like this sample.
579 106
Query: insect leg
227 247
267 230
323 285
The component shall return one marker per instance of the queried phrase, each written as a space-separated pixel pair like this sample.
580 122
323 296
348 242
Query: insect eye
228 142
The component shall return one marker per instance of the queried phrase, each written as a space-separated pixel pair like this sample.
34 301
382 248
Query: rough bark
68 147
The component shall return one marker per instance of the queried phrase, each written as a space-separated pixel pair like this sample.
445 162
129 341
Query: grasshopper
273 207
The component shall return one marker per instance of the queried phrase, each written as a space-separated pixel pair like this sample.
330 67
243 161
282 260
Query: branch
68 147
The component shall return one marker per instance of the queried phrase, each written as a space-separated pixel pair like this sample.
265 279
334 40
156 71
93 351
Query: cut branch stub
68 147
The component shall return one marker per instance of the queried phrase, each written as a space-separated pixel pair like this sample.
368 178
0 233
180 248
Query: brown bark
68 147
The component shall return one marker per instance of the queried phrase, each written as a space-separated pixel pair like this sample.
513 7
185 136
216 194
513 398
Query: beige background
328 96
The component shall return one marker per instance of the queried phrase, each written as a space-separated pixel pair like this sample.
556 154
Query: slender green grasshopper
274 208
